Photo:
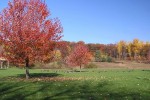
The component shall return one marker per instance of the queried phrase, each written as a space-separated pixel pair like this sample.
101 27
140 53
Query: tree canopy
26 32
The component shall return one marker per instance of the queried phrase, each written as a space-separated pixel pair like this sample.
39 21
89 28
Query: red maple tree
79 56
26 32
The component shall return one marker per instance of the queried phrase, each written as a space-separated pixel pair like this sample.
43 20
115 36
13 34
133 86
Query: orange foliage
80 55
26 32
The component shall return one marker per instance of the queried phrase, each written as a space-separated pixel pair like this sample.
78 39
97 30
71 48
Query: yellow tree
147 50
136 47
57 55
140 47
129 50
121 48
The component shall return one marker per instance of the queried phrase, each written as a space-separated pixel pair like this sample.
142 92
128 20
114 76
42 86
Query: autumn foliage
26 32
79 56
135 50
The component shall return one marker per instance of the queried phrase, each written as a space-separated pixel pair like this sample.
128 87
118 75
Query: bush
109 59
98 56
105 58
52 65
90 65
38 65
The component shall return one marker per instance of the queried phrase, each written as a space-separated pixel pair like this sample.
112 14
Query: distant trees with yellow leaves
121 48
135 50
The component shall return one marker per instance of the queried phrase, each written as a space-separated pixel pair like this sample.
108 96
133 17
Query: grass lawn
89 84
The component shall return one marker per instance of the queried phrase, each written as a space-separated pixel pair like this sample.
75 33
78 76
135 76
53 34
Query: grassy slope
91 84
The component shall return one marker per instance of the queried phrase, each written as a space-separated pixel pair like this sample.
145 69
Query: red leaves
26 31
79 55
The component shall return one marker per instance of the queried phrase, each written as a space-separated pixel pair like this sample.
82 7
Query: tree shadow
74 91
146 70
80 71
9 91
84 91
38 75
3 68
70 90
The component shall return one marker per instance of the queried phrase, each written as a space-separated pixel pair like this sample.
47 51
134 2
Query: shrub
103 58
109 59
38 65
98 56
90 65
52 65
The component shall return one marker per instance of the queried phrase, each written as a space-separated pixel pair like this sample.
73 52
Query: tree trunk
7 64
1 64
148 55
27 67
135 56
80 68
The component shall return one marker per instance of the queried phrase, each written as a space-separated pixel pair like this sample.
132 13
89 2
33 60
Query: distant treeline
133 50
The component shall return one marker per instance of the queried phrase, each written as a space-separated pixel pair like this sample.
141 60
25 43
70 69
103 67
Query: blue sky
101 21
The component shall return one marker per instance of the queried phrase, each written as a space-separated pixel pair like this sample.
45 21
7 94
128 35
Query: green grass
89 84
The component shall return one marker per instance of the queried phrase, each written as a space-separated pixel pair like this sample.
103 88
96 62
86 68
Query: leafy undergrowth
89 84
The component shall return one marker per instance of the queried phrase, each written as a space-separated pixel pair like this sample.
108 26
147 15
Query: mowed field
110 81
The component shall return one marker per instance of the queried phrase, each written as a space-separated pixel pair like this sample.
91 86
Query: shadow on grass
146 70
79 71
38 75
70 90
3 68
